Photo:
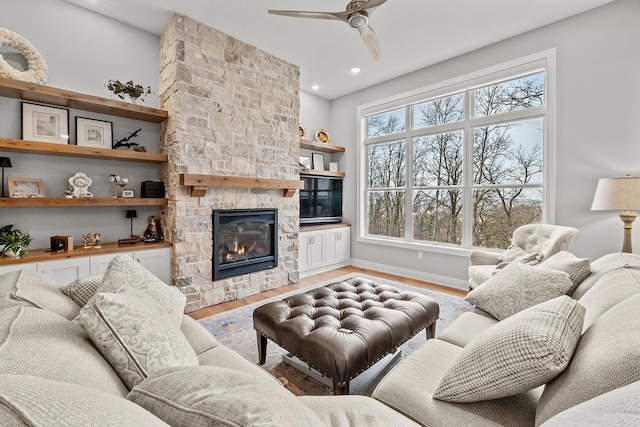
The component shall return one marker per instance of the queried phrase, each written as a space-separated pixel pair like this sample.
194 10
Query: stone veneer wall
233 110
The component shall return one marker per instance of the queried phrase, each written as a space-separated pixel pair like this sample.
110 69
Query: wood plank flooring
317 278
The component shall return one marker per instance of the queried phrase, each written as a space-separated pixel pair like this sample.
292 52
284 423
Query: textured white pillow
216 396
81 290
578 269
124 272
517 287
516 355
135 335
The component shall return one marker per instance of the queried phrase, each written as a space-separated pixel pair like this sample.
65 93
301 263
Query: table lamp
5 162
131 213
619 194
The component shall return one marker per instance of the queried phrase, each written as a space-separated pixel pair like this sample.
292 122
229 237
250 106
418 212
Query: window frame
542 61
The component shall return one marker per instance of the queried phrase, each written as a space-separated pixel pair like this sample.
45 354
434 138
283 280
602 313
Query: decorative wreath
36 71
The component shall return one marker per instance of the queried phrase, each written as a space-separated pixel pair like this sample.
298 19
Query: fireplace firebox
244 241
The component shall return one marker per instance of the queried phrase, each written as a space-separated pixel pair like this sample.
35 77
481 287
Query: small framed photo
45 124
305 162
128 193
333 166
94 133
25 187
318 161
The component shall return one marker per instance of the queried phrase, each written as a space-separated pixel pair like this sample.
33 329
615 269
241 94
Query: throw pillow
517 287
577 268
124 272
27 400
81 290
135 335
8 289
515 253
516 355
43 292
209 395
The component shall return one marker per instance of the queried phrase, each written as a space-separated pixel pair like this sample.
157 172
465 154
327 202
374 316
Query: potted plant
14 241
130 89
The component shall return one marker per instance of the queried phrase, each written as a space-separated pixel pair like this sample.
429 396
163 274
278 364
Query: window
458 165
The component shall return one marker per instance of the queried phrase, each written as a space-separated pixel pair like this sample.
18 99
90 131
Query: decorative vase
11 254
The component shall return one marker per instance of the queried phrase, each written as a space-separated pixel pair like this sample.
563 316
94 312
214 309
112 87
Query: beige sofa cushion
43 344
610 344
466 327
124 272
425 367
32 401
206 395
578 269
34 289
81 290
135 334
516 355
516 287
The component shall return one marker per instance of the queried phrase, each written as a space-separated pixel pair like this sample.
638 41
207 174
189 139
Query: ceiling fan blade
340 16
371 41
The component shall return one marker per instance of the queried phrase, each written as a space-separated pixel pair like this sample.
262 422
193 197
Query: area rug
234 329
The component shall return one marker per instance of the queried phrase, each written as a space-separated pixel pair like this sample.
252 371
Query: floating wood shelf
313 172
33 147
320 146
65 98
200 183
10 202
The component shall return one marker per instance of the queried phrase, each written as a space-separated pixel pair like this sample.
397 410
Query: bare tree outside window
503 188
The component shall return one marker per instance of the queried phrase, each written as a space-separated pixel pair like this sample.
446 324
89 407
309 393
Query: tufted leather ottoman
344 328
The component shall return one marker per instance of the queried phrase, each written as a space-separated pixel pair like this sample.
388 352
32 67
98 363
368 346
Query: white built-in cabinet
157 261
324 248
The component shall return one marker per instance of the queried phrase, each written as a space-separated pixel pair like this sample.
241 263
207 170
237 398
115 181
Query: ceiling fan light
358 20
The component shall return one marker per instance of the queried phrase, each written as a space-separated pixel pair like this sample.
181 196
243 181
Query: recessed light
355 70
315 87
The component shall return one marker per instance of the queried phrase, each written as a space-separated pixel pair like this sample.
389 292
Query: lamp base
627 218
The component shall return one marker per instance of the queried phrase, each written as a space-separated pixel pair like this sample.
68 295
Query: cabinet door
311 252
30 266
157 261
65 270
99 263
337 245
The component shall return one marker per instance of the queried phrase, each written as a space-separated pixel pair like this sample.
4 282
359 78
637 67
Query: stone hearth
234 112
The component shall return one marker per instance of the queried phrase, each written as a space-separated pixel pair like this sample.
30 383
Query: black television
320 200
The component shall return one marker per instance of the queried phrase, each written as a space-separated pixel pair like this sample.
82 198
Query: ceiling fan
356 16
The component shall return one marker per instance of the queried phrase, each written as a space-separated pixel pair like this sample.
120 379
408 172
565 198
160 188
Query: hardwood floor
317 278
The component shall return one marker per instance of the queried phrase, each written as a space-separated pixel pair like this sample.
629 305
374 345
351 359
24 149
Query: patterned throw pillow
516 355
516 287
135 334
515 253
81 290
217 396
577 268
124 272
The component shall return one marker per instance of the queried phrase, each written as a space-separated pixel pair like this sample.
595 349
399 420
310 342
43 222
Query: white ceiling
413 34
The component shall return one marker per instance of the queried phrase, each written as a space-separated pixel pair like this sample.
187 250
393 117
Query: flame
241 250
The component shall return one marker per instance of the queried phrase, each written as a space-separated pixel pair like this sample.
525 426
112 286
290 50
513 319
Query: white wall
597 122
82 51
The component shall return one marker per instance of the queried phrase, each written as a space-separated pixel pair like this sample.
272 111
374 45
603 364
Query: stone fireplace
233 112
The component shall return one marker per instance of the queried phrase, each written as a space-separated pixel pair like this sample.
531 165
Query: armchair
541 239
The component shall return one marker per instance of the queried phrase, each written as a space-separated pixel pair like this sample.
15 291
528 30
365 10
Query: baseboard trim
436 279
323 269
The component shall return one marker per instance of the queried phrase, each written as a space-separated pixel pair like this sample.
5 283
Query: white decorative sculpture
80 183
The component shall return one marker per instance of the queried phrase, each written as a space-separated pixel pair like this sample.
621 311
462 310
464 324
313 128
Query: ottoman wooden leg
262 348
337 390
431 330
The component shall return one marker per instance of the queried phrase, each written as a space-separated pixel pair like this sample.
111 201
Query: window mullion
408 195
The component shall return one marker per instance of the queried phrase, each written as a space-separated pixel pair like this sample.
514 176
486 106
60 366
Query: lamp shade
5 162
132 213
617 194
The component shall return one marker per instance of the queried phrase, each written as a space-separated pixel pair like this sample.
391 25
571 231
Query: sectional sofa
117 350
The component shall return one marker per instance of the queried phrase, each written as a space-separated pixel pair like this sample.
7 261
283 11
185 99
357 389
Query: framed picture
45 124
25 187
128 193
318 161
333 166
305 162
94 133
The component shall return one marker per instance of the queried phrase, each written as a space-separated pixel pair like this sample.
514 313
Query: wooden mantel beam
200 183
